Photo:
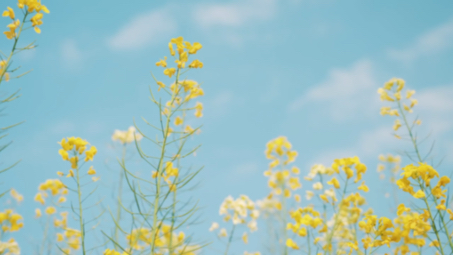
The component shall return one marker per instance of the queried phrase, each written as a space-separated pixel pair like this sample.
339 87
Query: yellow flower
170 46
397 125
334 182
38 213
170 72
178 121
291 244
18 197
193 48
64 154
39 198
245 238
95 178
214 226
91 171
12 30
444 180
60 173
441 206
61 200
161 85
317 186
419 194
196 64
188 129
9 12
402 209
410 93
223 233
434 243
74 161
363 187
37 21
50 210
90 153
198 110
70 174
162 62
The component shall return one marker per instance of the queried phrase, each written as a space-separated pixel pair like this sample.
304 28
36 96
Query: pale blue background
305 69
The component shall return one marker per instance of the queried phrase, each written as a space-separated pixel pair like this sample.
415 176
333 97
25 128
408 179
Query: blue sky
308 70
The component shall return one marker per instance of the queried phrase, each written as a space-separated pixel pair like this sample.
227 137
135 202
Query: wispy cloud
71 53
436 107
144 29
234 14
429 43
345 91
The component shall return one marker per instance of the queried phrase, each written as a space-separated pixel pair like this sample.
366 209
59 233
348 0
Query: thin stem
82 225
160 170
120 191
230 239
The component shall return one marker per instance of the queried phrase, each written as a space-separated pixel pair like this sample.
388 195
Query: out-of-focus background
305 69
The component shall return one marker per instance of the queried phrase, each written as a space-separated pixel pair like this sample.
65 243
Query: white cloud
344 92
429 43
144 29
436 108
71 53
234 14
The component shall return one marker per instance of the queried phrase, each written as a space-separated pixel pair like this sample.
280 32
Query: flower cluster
335 231
71 238
392 92
30 6
303 217
10 248
422 175
239 210
142 238
181 91
127 136
78 148
390 162
10 221
282 180
169 171
56 188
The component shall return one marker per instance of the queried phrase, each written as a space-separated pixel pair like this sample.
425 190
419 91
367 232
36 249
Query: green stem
44 237
173 213
330 235
230 239
120 191
159 172
82 225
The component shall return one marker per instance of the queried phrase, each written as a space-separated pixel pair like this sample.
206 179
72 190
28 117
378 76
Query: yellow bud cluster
347 165
127 136
141 238
240 211
10 221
